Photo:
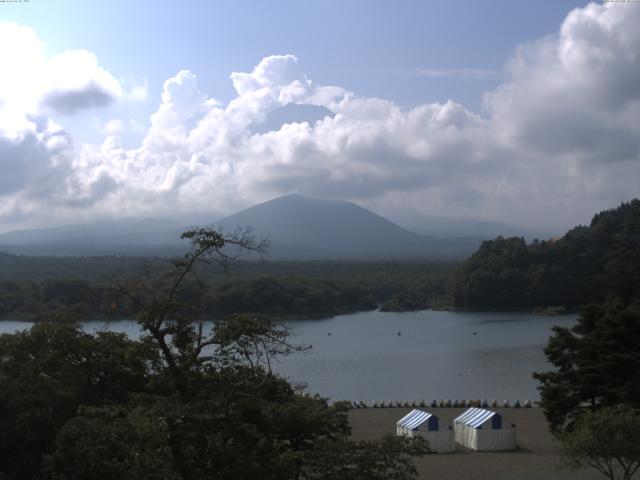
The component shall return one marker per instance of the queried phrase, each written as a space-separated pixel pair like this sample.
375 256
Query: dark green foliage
255 428
20 268
597 364
423 294
66 292
80 300
586 265
47 373
112 443
389 459
276 288
11 296
607 440
182 403
596 381
269 295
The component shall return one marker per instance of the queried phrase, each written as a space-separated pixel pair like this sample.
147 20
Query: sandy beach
537 456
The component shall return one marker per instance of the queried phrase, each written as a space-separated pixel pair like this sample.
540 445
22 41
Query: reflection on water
410 356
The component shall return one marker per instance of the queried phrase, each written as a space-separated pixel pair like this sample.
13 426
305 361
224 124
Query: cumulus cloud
275 72
75 82
576 93
181 102
555 141
37 156
65 83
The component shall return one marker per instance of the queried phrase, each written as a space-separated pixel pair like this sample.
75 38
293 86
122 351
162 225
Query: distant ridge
129 236
300 228
311 228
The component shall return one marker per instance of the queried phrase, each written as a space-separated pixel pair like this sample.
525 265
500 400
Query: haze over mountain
298 227
447 227
537 126
301 227
128 236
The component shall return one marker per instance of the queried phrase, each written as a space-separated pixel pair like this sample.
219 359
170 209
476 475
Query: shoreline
285 317
106 317
536 458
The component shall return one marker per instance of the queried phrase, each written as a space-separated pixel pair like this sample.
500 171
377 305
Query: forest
586 265
581 267
38 288
180 403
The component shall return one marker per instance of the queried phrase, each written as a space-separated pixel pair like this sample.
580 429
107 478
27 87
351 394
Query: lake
438 354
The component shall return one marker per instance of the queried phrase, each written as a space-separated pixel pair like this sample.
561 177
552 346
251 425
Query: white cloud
38 158
182 102
576 93
65 83
275 72
135 88
75 81
556 141
115 126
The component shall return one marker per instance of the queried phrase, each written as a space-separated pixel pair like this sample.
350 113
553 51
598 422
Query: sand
537 456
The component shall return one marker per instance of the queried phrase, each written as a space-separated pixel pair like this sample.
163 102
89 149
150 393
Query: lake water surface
436 356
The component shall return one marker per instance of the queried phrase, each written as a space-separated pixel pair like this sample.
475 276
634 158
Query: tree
171 323
597 364
589 264
388 459
47 373
112 443
607 440
183 403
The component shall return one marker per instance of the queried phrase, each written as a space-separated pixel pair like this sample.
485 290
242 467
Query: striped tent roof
414 419
474 417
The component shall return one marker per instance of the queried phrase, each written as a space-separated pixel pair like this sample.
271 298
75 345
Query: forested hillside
587 265
37 288
584 266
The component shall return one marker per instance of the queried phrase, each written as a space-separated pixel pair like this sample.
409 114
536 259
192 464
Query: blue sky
522 112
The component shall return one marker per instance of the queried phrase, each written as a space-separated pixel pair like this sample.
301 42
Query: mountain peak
329 229
300 227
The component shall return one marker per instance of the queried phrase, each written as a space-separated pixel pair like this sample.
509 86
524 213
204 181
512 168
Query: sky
526 113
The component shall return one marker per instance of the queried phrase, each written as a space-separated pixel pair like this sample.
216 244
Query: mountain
310 228
299 228
451 227
129 236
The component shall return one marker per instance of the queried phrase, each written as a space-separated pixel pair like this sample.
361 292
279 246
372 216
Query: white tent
426 425
484 430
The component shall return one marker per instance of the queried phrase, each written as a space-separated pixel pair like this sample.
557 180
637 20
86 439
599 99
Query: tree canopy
607 440
597 364
584 266
181 403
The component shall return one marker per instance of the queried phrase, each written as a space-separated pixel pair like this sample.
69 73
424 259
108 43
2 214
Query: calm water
437 356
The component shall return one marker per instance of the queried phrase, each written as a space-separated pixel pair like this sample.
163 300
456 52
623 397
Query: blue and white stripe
414 419
474 417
